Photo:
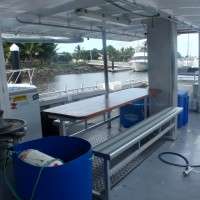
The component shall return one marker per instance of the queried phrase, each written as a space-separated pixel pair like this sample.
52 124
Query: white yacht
139 61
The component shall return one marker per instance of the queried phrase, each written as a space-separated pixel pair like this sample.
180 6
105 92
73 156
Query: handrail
76 91
18 72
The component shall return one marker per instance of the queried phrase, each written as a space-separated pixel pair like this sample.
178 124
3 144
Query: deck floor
153 180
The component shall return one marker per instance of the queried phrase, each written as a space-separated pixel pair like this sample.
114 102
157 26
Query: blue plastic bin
183 101
71 181
132 113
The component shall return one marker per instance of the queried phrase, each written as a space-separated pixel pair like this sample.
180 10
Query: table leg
120 125
62 129
104 117
109 117
145 107
86 124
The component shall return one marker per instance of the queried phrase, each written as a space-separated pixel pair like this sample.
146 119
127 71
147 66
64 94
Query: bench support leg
172 135
107 179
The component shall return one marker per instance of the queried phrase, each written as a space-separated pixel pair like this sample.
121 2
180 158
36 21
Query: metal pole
198 96
105 60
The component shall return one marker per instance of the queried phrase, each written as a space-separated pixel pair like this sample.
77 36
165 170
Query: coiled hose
188 166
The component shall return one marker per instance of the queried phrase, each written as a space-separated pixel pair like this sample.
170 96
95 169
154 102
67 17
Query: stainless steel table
89 108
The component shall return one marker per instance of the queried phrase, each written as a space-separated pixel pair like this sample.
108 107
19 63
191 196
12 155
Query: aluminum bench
137 139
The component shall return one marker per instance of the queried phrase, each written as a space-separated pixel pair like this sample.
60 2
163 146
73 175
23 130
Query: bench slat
115 146
130 130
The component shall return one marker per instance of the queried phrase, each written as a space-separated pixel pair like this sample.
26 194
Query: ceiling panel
122 19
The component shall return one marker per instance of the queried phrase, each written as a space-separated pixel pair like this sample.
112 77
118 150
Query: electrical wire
188 166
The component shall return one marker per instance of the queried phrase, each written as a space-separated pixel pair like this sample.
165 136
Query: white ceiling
123 19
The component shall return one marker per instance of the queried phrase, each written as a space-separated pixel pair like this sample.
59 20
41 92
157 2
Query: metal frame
63 124
107 119
156 125
18 72
198 102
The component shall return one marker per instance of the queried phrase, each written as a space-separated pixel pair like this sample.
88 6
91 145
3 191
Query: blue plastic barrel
132 113
71 181
183 101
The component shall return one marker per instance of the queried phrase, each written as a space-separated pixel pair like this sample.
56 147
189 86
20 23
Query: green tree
95 53
48 50
126 53
81 54
6 47
77 53
65 57
113 54
31 51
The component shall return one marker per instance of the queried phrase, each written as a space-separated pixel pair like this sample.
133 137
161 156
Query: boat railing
90 89
189 76
13 76
75 91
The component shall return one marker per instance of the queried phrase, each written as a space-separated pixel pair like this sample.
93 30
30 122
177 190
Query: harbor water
73 81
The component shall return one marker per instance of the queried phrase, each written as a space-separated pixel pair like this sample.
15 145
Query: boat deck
159 181
154 180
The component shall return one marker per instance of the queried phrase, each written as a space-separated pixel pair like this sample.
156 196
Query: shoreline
47 72
45 75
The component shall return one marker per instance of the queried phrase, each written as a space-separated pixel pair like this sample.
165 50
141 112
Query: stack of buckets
183 101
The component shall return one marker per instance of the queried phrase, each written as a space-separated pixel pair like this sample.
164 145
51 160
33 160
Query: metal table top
88 108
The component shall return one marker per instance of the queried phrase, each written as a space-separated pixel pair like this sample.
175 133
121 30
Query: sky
187 44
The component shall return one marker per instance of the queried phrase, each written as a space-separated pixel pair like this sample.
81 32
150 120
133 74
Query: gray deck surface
153 180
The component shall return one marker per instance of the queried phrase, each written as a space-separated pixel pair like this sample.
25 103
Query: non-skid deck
151 179
154 180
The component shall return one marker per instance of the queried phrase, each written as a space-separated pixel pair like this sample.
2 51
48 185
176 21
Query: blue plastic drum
132 113
71 181
183 101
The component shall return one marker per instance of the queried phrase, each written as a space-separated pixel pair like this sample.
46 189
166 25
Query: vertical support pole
107 179
4 96
162 50
105 60
198 96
